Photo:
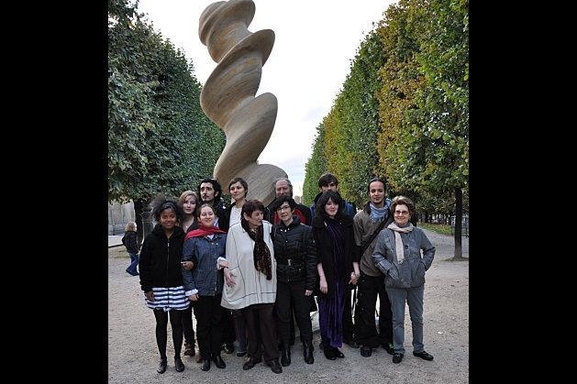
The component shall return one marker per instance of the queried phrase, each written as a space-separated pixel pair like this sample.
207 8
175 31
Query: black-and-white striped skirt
168 298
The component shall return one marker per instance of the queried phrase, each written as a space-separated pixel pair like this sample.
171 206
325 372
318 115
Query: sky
315 44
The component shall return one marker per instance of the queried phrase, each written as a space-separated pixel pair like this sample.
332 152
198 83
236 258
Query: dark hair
324 199
167 204
381 179
199 208
250 206
217 189
327 178
281 199
242 182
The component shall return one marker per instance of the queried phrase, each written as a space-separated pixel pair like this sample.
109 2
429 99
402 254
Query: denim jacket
204 279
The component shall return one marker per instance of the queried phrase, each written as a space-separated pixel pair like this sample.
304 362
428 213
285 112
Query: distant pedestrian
130 241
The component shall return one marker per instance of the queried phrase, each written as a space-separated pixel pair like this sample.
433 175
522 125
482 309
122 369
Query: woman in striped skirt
161 278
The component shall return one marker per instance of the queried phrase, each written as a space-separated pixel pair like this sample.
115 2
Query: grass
443 229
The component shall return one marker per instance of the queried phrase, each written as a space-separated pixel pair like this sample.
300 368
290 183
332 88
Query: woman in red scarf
205 247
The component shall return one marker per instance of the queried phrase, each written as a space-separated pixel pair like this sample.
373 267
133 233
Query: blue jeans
134 259
413 297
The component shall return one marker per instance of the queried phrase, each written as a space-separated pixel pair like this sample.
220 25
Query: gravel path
133 355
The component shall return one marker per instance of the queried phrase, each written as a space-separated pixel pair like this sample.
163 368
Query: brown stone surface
228 97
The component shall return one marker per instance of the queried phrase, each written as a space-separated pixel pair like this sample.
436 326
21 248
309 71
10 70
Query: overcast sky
315 44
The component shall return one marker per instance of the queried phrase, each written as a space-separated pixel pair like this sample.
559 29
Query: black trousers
261 331
369 288
348 325
187 326
292 295
209 325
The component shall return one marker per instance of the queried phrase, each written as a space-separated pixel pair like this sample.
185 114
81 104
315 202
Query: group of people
250 273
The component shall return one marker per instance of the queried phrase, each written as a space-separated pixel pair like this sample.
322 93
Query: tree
157 131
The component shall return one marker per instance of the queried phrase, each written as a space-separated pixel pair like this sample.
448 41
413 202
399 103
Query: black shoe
218 361
389 348
329 353
250 364
397 358
205 365
366 351
351 343
308 353
228 348
337 352
189 349
424 355
274 366
285 358
241 353
178 364
162 366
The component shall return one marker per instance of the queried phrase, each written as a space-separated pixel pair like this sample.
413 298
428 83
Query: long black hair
335 197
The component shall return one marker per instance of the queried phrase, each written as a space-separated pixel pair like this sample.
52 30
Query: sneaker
397 358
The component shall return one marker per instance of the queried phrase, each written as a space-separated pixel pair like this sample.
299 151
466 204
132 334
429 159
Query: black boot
308 352
285 354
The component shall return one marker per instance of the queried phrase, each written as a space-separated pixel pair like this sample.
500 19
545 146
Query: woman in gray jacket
403 253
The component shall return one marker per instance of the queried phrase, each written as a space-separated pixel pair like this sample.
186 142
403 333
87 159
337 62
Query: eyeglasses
401 212
283 208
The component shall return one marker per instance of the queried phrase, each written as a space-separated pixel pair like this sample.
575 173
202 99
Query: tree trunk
458 224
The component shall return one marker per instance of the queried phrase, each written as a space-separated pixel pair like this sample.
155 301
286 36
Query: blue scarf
378 214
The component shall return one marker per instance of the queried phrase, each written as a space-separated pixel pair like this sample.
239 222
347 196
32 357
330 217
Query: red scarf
203 231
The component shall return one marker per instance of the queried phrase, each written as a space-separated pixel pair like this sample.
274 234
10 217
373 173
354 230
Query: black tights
161 330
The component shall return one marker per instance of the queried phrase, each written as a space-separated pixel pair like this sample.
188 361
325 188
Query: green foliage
403 110
157 131
443 229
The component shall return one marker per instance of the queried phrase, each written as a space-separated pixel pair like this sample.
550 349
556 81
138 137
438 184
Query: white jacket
251 286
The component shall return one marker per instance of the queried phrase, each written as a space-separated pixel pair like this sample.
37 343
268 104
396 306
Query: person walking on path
404 253
130 241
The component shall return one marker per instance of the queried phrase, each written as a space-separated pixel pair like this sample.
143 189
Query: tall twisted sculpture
228 97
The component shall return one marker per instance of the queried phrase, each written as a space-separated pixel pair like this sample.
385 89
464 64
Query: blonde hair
130 226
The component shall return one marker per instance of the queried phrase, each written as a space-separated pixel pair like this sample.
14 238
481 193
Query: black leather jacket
295 252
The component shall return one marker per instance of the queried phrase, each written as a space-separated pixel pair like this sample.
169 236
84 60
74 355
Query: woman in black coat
337 267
